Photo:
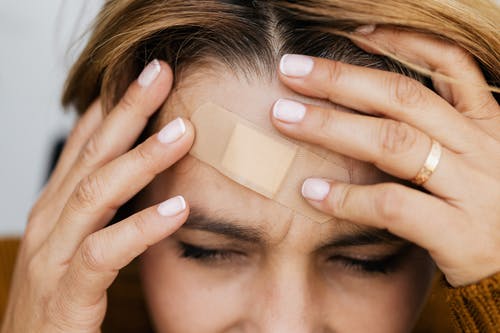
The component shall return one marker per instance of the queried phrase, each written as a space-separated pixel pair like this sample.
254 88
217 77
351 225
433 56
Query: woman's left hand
458 222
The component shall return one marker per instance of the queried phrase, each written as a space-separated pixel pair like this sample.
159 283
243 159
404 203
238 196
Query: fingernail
172 206
366 29
315 189
149 73
173 131
296 65
289 111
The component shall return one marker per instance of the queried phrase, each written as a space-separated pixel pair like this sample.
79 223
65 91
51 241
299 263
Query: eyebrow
356 236
225 227
360 236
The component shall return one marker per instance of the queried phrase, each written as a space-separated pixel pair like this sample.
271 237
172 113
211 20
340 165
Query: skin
289 275
68 258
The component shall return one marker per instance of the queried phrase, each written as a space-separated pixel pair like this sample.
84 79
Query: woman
243 262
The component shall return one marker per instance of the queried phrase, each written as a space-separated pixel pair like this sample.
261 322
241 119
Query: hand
67 258
459 221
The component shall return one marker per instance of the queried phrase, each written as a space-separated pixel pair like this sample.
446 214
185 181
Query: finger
405 212
392 146
79 135
99 195
469 94
381 93
121 128
46 211
142 99
105 252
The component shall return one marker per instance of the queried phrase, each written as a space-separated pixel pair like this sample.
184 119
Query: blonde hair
250 36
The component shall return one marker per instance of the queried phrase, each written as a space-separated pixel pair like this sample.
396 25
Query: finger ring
430 164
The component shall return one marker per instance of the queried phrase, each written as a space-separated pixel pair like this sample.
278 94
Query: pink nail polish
289 111
315 189
296 65
366 29
172 207
173 131
149 74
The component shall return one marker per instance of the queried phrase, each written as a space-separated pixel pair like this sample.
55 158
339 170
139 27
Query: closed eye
207 255
378 265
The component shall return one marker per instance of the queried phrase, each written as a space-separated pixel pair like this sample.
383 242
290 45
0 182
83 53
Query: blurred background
39 40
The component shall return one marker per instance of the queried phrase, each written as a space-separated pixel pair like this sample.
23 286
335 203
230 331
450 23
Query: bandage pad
262 161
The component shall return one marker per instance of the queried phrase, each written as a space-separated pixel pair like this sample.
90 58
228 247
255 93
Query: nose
284 302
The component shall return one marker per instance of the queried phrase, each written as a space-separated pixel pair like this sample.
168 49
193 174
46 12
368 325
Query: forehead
220 200
251 98
213 193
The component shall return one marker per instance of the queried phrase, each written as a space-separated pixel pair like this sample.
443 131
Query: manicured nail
149 74
172 206
315 189
366 29
289 111
172 131
296 65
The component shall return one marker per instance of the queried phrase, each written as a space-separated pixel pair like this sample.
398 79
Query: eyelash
206 255
384 265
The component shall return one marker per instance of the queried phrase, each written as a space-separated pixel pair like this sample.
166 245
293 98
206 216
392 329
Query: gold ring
430 164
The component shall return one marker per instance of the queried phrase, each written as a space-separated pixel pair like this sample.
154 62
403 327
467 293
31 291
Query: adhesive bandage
262 161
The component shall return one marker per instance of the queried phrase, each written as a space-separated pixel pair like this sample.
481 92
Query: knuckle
404 92
389 203
88 192
91 151
68 315
128 103
35 266
334 72
62 313
92 254
483 109
340 201
396 137
325 124
146 157
140 225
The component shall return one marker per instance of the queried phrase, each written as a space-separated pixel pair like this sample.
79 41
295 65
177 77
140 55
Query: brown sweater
475 308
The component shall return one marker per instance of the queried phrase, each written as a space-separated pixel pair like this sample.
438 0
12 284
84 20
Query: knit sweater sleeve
476 307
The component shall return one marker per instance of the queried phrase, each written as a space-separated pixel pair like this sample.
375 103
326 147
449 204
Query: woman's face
244 263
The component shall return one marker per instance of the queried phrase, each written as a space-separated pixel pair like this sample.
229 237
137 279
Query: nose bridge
285 299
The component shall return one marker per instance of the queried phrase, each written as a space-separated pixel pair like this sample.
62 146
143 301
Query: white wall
35 36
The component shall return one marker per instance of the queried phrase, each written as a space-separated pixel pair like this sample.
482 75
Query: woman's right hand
68 258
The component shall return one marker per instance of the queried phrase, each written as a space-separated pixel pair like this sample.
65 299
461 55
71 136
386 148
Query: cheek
385 303
177 290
